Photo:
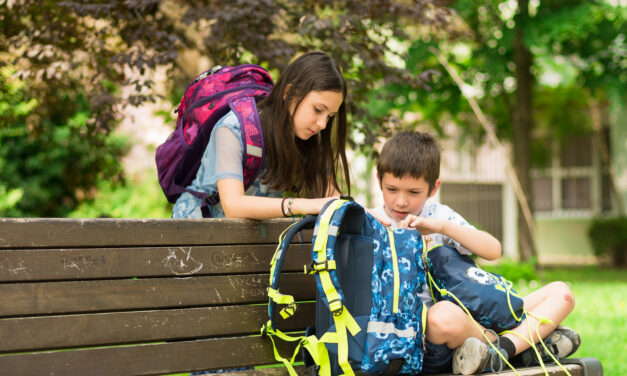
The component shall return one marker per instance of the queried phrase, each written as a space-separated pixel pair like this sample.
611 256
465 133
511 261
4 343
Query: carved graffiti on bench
180 261
81 263
13 268
221 258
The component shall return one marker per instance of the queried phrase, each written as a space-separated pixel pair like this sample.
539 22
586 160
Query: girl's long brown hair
308 168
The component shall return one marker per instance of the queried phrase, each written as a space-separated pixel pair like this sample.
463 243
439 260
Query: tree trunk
522 126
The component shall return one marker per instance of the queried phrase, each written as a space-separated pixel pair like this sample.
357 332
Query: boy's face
406 195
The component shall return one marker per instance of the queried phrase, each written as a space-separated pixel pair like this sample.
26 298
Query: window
575 184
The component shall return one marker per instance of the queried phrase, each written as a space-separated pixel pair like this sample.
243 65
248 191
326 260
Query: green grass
600 314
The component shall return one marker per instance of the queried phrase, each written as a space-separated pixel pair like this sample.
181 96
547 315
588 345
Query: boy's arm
476 241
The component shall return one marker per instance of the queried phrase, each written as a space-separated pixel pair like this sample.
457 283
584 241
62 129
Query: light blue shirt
222 159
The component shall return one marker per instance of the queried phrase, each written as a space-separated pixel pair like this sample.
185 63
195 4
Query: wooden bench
146 297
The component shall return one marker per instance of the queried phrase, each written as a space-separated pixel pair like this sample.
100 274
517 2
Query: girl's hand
425 226
304 206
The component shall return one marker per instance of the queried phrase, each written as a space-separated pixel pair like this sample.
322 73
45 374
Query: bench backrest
141 297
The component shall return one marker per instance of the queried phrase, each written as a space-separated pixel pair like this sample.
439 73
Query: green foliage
609 238
109 43
589 34
515 271
95 48
143 199
580 44
49 159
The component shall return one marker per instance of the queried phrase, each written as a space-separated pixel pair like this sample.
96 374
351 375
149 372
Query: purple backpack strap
253 154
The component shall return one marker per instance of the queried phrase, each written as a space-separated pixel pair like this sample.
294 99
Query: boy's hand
383 221
425 226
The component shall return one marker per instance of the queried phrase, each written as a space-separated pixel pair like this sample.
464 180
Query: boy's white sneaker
475 356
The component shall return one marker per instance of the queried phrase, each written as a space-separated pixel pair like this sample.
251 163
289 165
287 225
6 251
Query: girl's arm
236 204
479 242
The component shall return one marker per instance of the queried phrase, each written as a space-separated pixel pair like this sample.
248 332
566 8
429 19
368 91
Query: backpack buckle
336 307
212 199
288 311
316 267
264 329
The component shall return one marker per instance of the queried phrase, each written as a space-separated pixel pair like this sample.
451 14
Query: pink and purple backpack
207 99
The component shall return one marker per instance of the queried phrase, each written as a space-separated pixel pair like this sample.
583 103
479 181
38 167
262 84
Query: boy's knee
443 318
447 324
562 291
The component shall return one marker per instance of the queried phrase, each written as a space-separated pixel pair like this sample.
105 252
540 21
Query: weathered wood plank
148 359
93 263
554 370
278 371
85 330
149 293
69 232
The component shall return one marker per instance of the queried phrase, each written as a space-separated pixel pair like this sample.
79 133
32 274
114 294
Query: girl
304 132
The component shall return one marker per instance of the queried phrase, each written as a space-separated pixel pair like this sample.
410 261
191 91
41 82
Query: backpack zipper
205 100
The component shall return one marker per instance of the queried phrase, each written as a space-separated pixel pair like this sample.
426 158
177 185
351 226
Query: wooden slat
533 371
159 359
150 293
67 232
92 263
84 330
277 371
149 359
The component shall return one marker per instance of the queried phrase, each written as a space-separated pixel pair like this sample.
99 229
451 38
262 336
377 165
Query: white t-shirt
433 209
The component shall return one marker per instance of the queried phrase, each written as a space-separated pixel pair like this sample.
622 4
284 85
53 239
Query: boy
408 171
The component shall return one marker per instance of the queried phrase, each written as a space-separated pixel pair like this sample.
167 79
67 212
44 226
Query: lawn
600 314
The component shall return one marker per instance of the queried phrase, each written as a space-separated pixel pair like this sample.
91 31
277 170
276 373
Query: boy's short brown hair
411 153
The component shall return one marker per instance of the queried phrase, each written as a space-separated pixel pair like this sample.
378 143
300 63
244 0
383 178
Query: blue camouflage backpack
369 316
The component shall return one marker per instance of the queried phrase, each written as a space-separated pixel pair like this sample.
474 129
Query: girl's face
314 111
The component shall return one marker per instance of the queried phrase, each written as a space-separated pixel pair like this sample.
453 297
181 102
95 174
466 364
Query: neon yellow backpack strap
319 353
320 249
395 270
267 328
285 299
343 319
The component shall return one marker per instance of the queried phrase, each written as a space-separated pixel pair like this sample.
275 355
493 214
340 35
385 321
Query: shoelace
495 360
552 346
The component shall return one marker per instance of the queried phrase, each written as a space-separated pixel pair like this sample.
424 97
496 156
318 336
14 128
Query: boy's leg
447 327
448 324
553 301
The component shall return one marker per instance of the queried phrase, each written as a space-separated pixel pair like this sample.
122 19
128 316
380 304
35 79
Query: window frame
556 173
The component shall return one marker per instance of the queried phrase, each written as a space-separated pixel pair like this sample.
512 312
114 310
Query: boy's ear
436 186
